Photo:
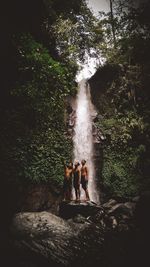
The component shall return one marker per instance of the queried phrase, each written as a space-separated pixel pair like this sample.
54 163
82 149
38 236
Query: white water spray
83 138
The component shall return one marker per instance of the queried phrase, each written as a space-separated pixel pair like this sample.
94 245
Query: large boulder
43 239
71 209
103 236
122 208
45 235
41 197
109 204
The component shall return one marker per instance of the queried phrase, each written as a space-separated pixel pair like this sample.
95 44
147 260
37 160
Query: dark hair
77 163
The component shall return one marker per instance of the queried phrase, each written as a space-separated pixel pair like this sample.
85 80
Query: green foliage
45 41
40 158
120 172
122 153
124 122
124 99
131 26
40 50
77 35
35 125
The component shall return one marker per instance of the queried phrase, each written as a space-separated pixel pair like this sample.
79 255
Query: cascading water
83 138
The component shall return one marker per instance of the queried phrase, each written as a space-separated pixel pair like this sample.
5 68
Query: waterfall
83 138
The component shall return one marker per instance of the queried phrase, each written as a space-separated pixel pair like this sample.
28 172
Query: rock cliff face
41 197
102 79
98 157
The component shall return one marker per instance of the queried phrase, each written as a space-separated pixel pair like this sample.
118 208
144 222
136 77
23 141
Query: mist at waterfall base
83 138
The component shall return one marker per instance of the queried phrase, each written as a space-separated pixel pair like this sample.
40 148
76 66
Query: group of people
74 175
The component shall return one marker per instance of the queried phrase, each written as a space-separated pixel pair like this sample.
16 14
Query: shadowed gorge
49 120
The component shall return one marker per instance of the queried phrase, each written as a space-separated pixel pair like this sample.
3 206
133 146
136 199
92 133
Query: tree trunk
112 22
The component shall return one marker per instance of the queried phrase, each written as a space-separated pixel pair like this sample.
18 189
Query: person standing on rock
84 178
67 186
76 180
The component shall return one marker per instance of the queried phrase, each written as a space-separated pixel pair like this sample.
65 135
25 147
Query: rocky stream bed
82 234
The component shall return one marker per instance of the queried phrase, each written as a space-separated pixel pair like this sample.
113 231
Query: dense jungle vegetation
123 99
41 42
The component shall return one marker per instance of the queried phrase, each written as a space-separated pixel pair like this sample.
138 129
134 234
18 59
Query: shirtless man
76 180
84 178
67 187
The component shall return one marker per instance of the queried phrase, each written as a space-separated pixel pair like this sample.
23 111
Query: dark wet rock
71 209
80 219
48 239
125 217
120 208
98 216
46 235
102 237
136 199
41 197
113 222
131 206
123 227
109 204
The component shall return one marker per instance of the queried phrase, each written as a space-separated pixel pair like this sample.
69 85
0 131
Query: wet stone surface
85 235
71 209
